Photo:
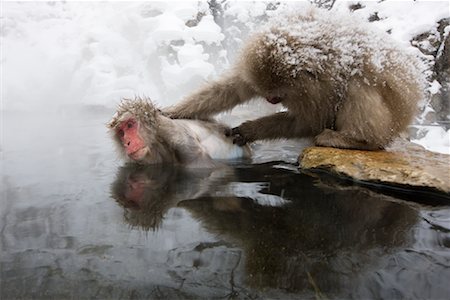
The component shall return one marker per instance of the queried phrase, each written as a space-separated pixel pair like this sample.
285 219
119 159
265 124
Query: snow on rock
185 10
246 11
191 52
403 19
207 31
174 75
436 139
169 28
434 88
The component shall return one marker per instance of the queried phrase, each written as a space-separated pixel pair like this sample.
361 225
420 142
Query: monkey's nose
126 143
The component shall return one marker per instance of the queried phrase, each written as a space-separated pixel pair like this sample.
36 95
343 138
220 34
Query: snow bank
207 31
57 53
435 139
246 11
403 19
169 27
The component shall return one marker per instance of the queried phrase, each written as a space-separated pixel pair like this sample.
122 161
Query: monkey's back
332 49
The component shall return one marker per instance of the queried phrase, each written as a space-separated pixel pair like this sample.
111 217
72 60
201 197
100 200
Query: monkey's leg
364 121
279 125
214 98
337 139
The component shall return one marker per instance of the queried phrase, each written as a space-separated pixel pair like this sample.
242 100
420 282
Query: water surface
76 222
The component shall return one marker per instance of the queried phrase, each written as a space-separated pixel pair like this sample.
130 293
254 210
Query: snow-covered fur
342 82
192 143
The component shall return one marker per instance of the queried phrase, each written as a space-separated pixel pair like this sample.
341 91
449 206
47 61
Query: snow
207 31
191 52
434 88
246 11
346 41
94 53
173 74
169 27
436 139
404 19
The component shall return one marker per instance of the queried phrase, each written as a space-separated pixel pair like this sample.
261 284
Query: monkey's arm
214 98
279 125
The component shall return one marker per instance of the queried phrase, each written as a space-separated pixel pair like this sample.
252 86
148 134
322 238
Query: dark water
78 223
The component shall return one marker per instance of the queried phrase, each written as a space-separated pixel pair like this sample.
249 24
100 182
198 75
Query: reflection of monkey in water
148 192
148 137
144 194
327 239
330 233
342 82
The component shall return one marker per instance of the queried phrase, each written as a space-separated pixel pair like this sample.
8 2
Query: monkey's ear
113 123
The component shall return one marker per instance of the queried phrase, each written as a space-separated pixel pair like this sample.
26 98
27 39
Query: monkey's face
137 140
131 139
135 129
129 134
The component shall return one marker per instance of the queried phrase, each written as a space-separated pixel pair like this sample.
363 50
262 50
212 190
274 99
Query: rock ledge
402 165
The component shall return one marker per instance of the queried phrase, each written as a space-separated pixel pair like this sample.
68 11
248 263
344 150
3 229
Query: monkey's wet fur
144 135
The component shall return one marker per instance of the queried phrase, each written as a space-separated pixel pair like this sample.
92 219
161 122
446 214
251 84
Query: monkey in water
146 136
341 82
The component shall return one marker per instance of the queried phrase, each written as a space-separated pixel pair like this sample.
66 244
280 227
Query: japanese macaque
341 81
145 136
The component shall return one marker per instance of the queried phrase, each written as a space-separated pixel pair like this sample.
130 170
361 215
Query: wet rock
405 165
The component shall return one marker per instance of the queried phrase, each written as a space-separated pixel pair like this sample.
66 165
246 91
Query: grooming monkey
145 136
342 82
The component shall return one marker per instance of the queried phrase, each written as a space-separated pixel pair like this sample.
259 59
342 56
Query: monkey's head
264 67
135 129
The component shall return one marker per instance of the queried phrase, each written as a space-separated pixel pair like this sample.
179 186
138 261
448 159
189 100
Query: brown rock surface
403 164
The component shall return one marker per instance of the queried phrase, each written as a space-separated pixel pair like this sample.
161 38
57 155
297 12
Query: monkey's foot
335 139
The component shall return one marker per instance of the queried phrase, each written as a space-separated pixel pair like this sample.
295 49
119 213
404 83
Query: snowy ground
56 54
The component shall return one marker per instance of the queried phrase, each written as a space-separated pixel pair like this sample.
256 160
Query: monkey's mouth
139 154
274 100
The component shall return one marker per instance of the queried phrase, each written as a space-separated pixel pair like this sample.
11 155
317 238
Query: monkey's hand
237 136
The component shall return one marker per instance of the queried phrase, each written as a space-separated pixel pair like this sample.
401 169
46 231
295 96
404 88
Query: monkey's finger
239 140
235 131
228 132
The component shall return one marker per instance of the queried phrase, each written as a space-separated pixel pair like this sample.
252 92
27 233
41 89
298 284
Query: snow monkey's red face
134 128
128 133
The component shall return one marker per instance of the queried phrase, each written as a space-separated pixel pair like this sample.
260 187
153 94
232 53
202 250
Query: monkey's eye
120 133
130 125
